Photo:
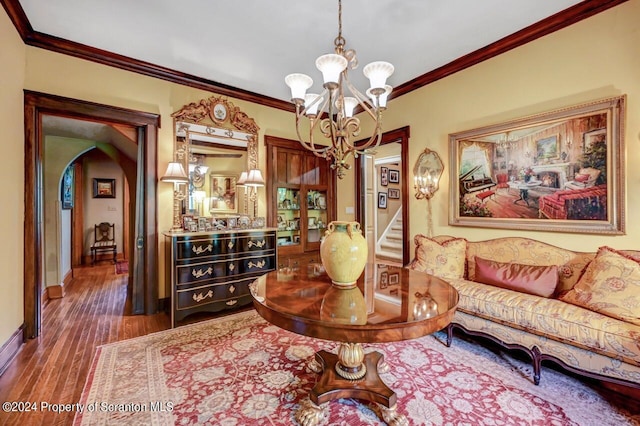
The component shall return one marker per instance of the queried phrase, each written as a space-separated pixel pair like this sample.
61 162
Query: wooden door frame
35 106
400 135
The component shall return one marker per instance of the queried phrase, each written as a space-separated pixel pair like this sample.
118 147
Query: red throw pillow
581 178
531 279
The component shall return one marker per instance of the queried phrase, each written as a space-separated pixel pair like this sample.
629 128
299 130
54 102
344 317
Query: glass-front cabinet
288 219
300 190
316 215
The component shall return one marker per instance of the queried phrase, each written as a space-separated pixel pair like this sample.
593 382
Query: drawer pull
232 266
201 296
231 302
230 245
258 244
258 265
202 249
232 289
199 273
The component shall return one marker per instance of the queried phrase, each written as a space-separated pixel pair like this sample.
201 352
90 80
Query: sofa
579 310
588 203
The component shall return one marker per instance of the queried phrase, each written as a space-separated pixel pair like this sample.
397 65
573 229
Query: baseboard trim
55 291
11 348
68 277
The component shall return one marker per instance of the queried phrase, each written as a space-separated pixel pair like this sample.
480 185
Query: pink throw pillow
531 279
581 178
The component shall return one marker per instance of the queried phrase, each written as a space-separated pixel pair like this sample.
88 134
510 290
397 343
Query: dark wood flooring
53 368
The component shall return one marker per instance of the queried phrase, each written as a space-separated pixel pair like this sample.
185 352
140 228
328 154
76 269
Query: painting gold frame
223 194
555 195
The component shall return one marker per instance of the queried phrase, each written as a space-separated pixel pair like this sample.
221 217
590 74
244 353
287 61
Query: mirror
426 174
215 142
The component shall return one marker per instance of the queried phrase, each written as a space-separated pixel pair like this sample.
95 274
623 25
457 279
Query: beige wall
59 152
594 59
13 60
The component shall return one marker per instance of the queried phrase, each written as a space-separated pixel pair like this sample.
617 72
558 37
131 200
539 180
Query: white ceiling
253 44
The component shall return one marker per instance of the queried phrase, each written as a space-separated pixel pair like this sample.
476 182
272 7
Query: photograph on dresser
556 171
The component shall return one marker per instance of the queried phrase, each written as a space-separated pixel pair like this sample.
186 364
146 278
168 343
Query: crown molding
549 25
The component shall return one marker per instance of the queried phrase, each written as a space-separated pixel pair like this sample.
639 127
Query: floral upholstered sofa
580 310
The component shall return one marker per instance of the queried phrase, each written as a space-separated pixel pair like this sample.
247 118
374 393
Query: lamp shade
299 83
331 66
175 173
243 178
377 73
254 178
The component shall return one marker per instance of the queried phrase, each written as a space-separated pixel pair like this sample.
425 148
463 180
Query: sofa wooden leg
449 335
536 357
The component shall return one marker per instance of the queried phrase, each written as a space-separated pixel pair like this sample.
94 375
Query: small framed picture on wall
104 188
384 176
394 193
382 200
394 176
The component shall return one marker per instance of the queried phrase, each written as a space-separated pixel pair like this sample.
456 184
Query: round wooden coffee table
399 304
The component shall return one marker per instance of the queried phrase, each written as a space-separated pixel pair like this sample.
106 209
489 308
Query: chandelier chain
340 41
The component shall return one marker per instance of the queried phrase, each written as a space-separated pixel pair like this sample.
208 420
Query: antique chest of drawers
211 271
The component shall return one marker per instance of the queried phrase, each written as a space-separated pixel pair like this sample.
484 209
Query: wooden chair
104 241
502 181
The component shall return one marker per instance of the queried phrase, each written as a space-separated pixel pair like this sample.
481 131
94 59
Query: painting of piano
545 172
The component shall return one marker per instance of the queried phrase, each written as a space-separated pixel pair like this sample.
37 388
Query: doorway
140 170
391 155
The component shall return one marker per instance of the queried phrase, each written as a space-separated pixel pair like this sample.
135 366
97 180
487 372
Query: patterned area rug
122 267
240 370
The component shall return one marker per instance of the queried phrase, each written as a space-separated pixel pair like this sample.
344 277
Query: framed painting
564 171
104 188
66 188
394 176
592 137
384 176
547 148
223 194
382 200
394 193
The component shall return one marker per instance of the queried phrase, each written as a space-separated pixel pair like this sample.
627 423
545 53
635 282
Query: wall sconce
426 177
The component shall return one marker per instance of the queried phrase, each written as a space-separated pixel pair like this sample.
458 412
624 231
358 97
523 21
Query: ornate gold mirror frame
217 121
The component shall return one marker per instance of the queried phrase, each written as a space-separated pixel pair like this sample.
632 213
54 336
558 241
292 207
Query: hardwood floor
53 368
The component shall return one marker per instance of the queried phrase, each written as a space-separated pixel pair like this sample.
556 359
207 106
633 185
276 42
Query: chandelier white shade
333 109
377 73
299 83
331 66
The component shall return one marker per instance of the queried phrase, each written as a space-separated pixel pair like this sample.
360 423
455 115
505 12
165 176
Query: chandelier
332 110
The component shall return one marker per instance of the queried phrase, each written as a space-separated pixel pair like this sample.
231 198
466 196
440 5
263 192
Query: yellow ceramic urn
343 252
